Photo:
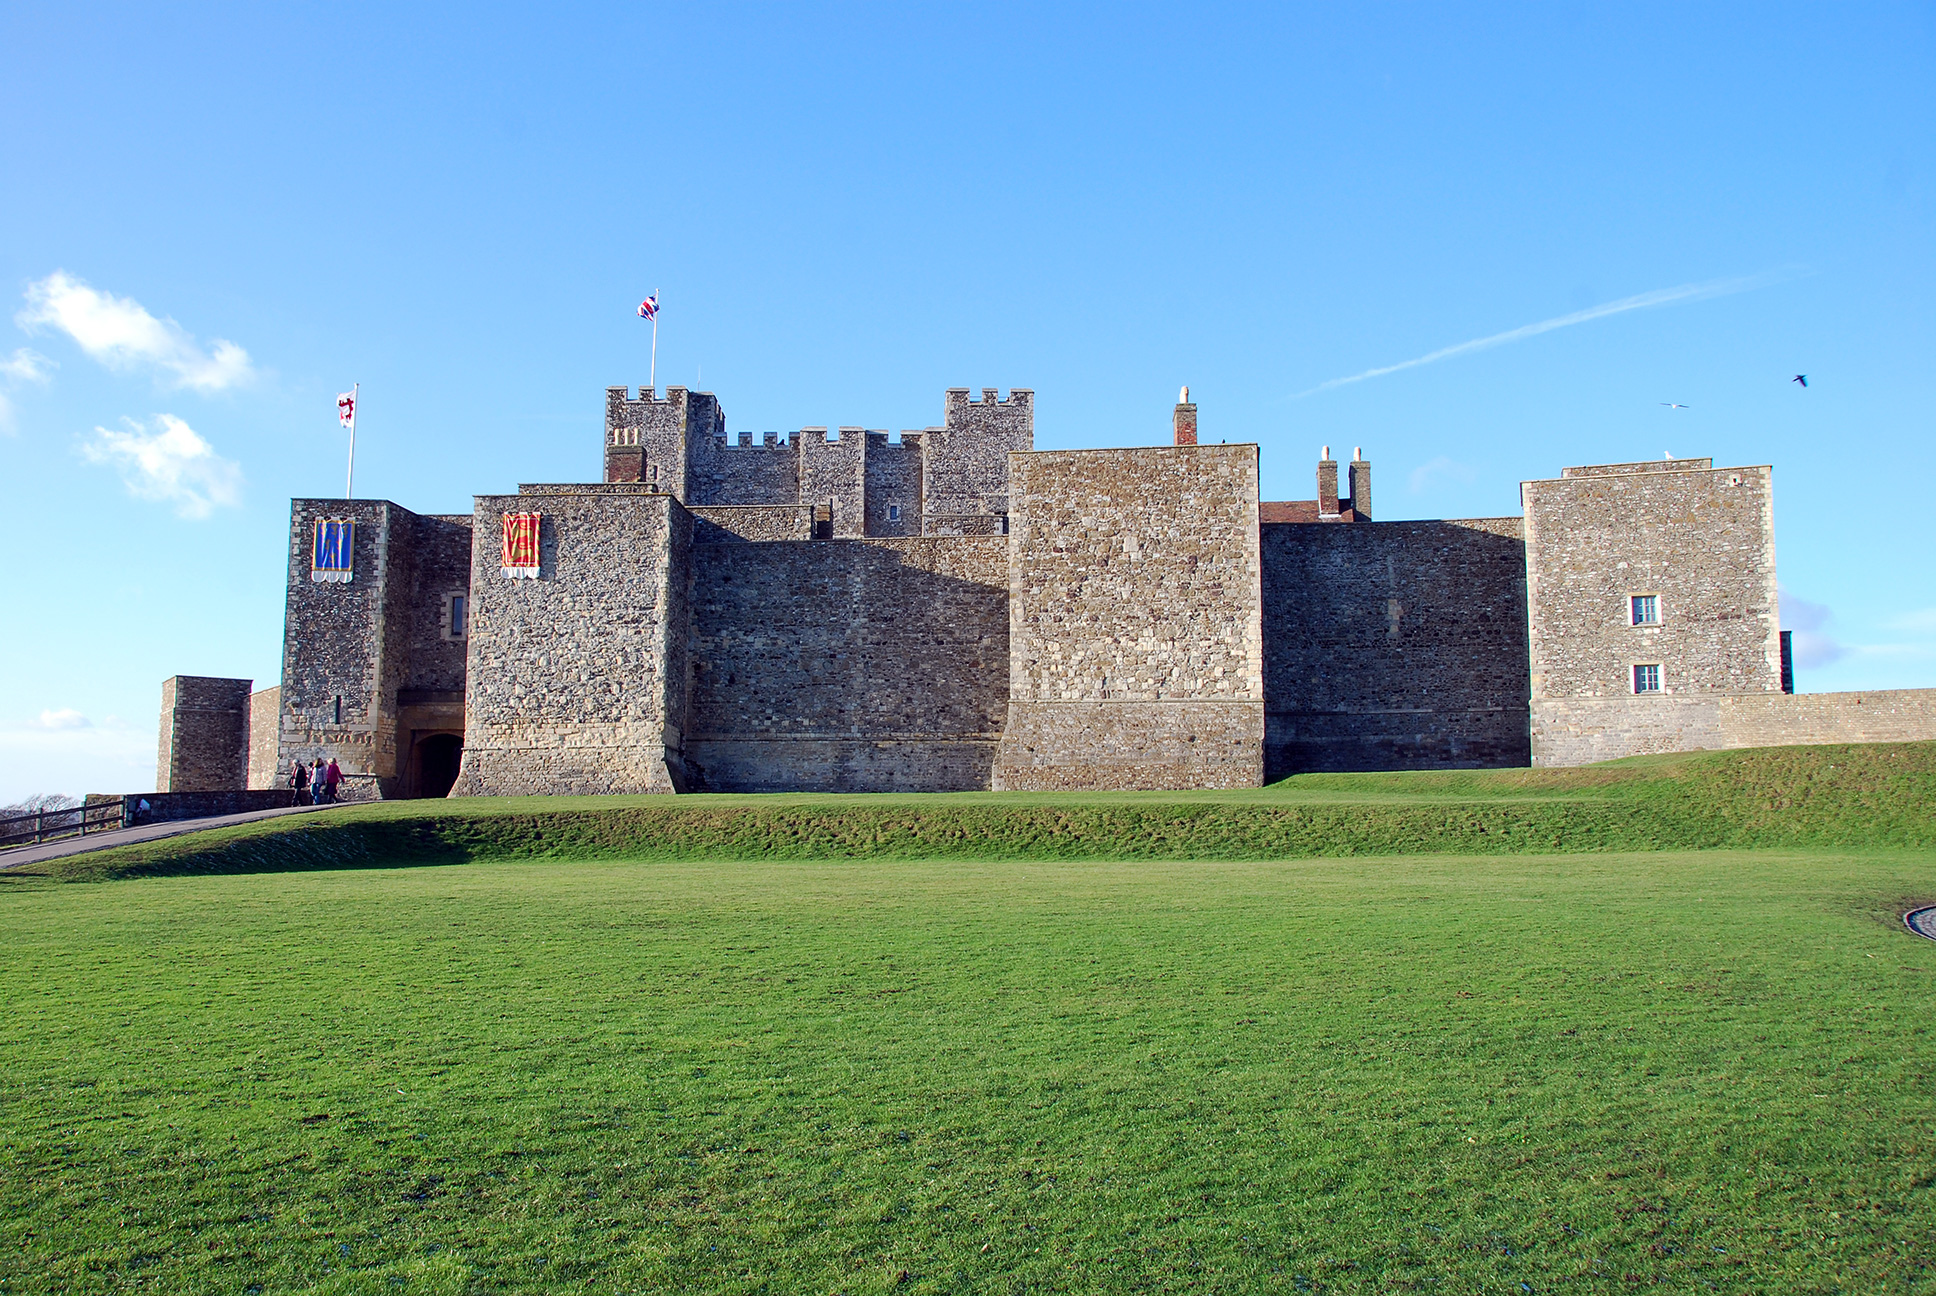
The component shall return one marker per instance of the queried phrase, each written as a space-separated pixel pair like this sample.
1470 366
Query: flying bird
1676 405
1800 378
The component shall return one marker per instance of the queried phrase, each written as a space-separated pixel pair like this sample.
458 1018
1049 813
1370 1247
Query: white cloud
26 365
23 365
1812 644
1640 301
65 718
172 464
121 334
1439 469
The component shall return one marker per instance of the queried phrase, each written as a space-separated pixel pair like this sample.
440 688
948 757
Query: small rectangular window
1647 678
457 609
893 512
1646 609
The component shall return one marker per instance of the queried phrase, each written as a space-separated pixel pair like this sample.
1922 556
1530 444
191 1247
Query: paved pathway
146 832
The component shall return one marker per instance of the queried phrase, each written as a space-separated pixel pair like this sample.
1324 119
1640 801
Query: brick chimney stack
1328 487
1186 419
1360 485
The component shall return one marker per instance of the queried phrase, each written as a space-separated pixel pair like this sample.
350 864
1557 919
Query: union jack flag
649 308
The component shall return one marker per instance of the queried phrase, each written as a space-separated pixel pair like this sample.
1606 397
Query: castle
954 609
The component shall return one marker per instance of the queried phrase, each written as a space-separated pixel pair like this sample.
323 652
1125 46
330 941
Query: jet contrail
1659 297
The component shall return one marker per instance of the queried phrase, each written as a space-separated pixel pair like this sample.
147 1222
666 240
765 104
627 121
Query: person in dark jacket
299 783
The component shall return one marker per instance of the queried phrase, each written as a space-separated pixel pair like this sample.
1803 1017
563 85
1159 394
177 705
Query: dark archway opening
438 757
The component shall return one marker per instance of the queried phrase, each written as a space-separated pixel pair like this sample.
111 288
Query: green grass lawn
1584 1072
1844 797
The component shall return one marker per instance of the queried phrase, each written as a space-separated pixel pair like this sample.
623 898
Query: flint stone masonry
1394 645
204 744
848 665
1135 620
578 678
966 460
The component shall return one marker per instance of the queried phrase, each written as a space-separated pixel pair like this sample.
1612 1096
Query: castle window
1646 609
652 473
1647 678
893 512
456 616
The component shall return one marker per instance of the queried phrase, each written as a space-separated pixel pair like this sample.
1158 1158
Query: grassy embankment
1592 1072
1780 797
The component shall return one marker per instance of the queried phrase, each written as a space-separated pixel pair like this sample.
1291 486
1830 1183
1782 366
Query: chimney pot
1186 420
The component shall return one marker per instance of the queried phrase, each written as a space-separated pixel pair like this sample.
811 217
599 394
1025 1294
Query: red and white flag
346 408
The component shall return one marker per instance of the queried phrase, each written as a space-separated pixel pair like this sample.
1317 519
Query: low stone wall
166 807
1579 731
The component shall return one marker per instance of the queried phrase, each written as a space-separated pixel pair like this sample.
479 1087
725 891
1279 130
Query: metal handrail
107 815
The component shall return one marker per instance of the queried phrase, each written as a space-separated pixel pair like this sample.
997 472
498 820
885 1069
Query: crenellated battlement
1019 398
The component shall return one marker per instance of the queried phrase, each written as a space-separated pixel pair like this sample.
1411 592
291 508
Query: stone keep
953 609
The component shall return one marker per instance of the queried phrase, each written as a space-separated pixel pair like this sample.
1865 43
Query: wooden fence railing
74 821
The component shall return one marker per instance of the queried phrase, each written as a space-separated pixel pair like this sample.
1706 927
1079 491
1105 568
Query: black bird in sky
1800 378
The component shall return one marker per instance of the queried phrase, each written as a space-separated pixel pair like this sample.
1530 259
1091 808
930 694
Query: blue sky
212 219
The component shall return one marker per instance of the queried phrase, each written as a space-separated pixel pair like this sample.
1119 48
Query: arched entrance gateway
434 760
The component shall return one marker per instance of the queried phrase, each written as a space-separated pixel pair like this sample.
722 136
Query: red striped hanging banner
520 555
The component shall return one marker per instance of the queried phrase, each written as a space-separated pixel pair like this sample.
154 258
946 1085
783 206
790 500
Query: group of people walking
315 785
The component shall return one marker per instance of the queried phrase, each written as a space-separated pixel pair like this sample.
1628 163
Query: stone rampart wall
1135 615
578 677
1579 731
848 665
743 472
1394 645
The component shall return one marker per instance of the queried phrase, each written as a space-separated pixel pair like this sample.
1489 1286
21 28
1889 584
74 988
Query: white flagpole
655 344
349 485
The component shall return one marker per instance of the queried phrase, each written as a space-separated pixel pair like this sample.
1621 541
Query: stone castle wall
1579 731
1135 620
1394 645
204 734
847 665
578 678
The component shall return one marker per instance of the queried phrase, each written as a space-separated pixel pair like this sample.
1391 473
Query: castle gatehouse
953 609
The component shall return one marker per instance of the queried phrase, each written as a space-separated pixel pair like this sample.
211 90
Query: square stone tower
1647 584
